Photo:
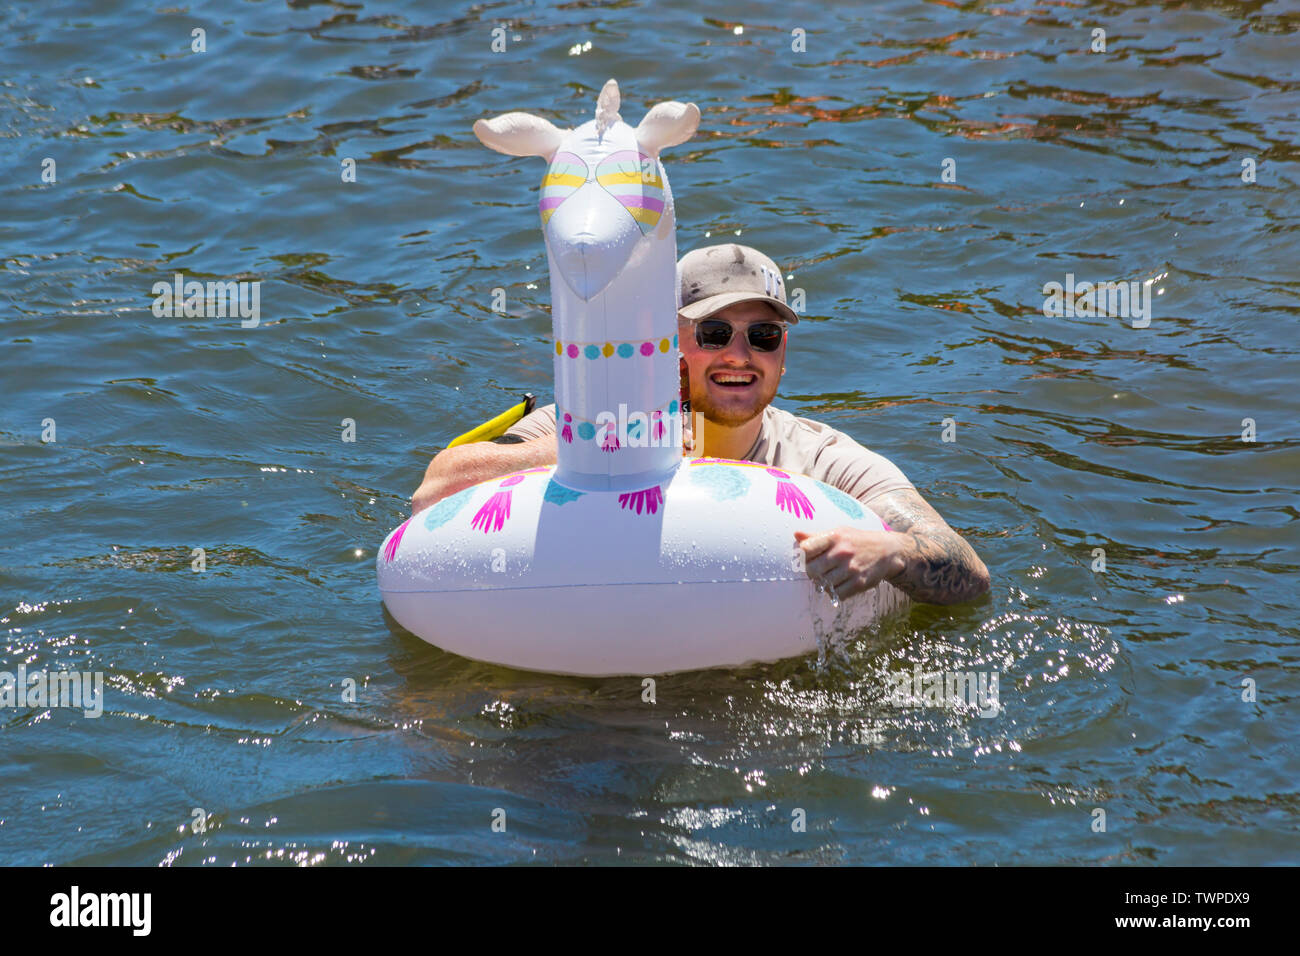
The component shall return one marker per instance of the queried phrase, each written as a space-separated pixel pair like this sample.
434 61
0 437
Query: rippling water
225 689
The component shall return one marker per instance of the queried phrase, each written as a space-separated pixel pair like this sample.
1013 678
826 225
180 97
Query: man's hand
850 560
921 556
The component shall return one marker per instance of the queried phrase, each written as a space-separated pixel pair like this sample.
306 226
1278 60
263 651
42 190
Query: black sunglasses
716 333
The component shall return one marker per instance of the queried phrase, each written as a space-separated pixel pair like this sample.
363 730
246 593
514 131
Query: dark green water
224 689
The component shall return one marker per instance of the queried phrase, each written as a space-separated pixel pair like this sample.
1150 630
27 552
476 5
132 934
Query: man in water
732 334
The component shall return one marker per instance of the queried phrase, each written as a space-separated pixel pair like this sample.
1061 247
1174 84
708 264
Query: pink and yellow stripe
563 178
633 178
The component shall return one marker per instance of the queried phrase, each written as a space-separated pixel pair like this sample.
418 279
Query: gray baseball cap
715 277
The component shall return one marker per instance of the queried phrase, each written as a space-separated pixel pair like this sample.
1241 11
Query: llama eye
563 178
633 178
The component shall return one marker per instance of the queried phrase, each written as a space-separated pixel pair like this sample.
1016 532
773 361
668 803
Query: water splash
831 645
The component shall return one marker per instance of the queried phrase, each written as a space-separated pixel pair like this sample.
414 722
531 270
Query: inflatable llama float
624 557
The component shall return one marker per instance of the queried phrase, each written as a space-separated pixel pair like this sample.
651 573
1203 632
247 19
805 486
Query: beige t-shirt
799 445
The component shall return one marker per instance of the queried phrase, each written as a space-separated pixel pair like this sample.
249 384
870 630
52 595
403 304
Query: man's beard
731 416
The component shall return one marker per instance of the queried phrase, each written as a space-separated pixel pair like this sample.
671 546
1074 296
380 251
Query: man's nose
738 347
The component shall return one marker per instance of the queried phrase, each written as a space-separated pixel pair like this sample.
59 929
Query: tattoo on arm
941 568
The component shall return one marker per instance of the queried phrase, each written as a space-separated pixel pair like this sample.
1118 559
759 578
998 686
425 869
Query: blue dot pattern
722 482
558 494
839 499
446 509
586 430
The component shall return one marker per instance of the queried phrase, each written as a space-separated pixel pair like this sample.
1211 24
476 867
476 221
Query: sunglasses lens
715 334
712 334
765 336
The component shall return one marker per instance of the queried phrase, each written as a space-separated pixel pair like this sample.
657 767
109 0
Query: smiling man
733 326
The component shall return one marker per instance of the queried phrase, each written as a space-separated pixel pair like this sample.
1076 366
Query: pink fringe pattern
649 498
657 425
390 549
789 497
492 516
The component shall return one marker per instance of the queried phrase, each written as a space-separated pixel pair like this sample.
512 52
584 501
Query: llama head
605 191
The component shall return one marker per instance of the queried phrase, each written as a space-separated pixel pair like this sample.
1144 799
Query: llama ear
519 134
667 124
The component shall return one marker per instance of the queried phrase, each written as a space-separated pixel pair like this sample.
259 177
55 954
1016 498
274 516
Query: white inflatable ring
623 558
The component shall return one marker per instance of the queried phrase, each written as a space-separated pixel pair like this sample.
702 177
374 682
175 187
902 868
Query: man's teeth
733 379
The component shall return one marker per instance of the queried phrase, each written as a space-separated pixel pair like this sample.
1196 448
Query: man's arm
455 468
939 567
921 555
